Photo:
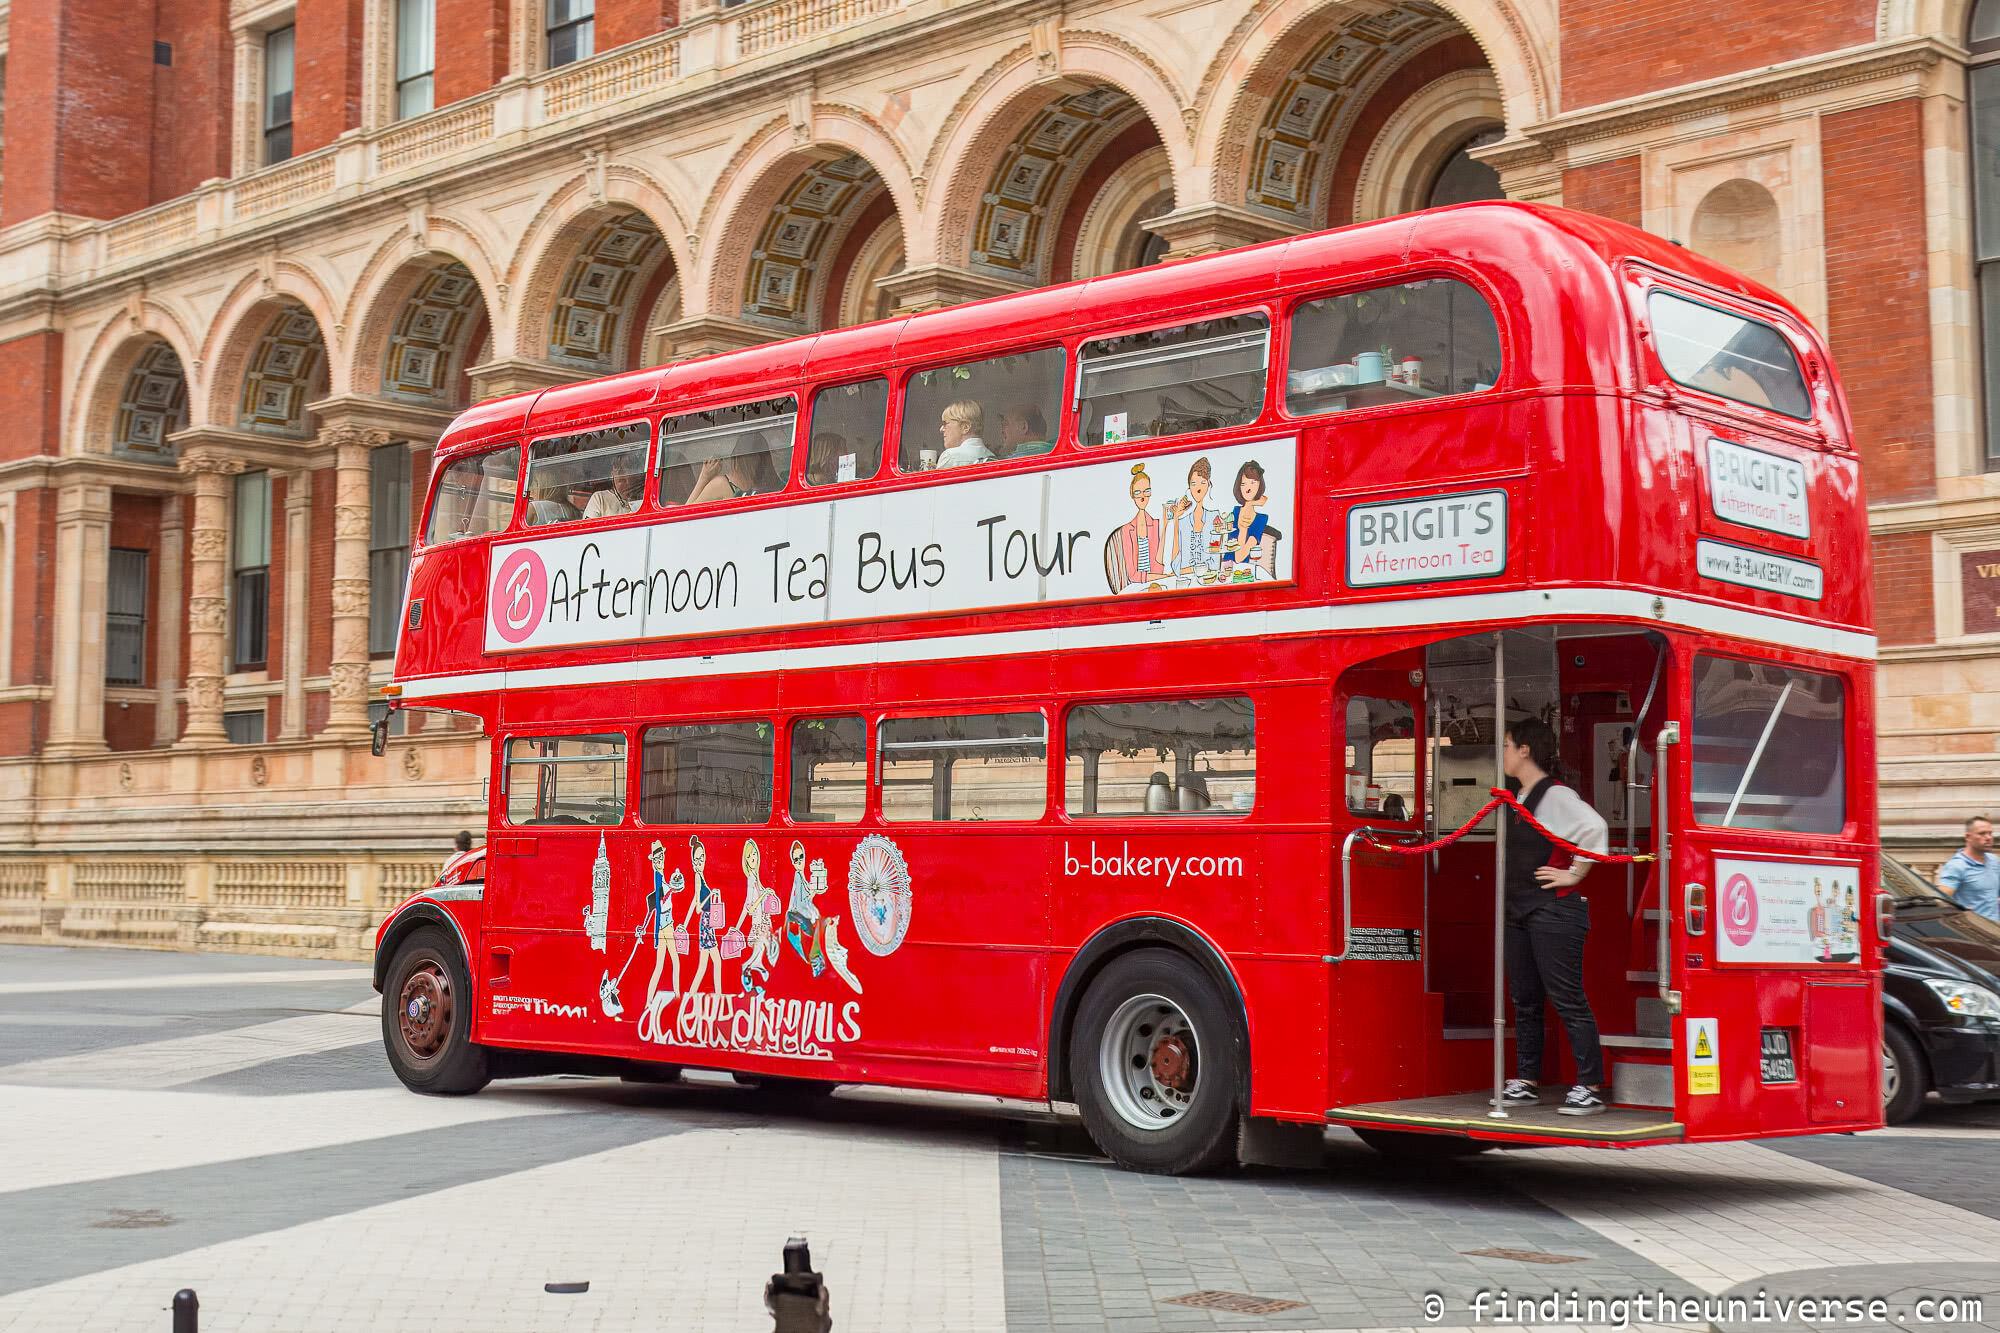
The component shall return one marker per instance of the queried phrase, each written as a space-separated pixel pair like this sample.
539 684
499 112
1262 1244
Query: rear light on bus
1885 917
1697 909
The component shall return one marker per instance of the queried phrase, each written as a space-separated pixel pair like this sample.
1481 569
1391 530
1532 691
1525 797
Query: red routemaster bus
1091 695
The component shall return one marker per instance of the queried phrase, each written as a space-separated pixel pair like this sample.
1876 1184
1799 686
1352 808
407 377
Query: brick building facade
255 253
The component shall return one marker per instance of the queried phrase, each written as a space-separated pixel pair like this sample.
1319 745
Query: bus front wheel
427 1018
1155 1065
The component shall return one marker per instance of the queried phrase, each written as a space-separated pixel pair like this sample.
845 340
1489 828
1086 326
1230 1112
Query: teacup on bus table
926 459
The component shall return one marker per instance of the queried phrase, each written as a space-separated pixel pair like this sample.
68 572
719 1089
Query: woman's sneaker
1582 1101
1519 1092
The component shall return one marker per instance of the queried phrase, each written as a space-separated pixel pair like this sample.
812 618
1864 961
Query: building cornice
91 470
1882 71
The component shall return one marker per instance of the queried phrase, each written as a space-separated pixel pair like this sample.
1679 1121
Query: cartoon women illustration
705 914
1850 927
1817 925
1189 519
760 909
659 920
1140 552
836 953
1246 522
802 921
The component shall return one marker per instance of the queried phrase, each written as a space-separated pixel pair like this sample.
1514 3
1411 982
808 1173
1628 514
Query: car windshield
1907 886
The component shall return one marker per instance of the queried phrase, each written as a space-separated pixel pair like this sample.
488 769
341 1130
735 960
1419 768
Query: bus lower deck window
829 770
1161 757
566 780
975 767
1768 747
1381 757
707 773
1207 375
1729 355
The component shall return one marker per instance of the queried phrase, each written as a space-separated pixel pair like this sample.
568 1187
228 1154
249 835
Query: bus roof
1549 253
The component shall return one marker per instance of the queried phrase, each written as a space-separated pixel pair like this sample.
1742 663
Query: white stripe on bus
1573 604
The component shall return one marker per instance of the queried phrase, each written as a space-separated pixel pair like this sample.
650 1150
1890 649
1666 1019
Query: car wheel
1904 1077
1156 1065
427 1018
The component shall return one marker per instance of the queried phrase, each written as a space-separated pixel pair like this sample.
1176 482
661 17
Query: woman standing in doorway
1547 919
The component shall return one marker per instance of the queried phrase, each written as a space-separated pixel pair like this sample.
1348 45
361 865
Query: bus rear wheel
427 1018
1155 1065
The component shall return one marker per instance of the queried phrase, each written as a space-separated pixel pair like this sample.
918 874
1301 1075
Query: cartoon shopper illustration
802 923
659 921
1849 947
705 913
760 911
1141 557
1188 520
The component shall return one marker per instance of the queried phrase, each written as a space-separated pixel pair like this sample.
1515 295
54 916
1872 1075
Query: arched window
1984 84
1463 179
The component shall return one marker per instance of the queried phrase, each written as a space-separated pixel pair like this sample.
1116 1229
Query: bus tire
1156 1066
1406 1145
1905 1079
427 1017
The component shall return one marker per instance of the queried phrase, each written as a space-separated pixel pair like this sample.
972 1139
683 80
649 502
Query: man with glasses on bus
1972 877
1547 919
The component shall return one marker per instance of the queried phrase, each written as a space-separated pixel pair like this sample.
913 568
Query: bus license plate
1776 1060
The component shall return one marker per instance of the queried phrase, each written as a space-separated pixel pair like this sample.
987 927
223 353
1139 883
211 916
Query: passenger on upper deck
744 472
1024 432
823 458
961 426
622 496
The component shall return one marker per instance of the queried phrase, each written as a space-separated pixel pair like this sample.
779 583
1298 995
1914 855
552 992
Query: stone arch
124 341
1738 223
873 253
1947 19
419 329
566 224
285 367
1000 105
1419 137
238 335
783 210
1243 83
1111 236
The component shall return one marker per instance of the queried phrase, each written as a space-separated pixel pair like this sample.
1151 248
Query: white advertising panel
1427 540
1758 489
1750 568
1124 528
1787 912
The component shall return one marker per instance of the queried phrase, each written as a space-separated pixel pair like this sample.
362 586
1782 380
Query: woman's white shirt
971 449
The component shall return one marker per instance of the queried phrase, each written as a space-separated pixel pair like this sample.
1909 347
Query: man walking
1972 876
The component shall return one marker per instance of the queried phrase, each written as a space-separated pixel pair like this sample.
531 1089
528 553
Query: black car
1941 994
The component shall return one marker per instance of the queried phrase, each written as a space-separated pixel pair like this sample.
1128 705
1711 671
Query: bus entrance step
1469 1113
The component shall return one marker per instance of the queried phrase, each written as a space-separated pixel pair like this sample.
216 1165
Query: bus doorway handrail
1368 831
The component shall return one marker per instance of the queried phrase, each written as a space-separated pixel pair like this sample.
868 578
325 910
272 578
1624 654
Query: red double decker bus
1043 697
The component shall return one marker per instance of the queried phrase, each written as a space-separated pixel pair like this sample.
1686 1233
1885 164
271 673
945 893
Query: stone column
298 558
208 601
933 286
167 616
1206 228
347 714
83 573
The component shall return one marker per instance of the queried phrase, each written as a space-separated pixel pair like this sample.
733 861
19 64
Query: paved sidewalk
229 1124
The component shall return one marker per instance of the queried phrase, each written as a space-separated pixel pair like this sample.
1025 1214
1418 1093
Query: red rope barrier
1501 796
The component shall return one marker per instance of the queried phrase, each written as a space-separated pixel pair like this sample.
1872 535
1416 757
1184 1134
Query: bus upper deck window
475 495
1728 355
1208 375
592 474
1768 747
844 442
1391 345
728 452
1002 407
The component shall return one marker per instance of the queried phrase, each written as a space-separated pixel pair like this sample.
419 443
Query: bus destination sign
1193 521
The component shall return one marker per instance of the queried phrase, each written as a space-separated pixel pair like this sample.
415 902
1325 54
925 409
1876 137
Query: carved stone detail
205 463
350 597
204 696
348 683
350 521
413 763
208 543
207 615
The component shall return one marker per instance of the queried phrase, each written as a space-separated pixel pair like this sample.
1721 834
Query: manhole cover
1236 1302
1527 1256
129 1219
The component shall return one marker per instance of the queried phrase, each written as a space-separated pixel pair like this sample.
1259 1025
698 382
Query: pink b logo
520 596
1739 910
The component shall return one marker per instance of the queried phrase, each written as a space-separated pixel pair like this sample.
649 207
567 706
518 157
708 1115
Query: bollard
187 1311
797 1297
